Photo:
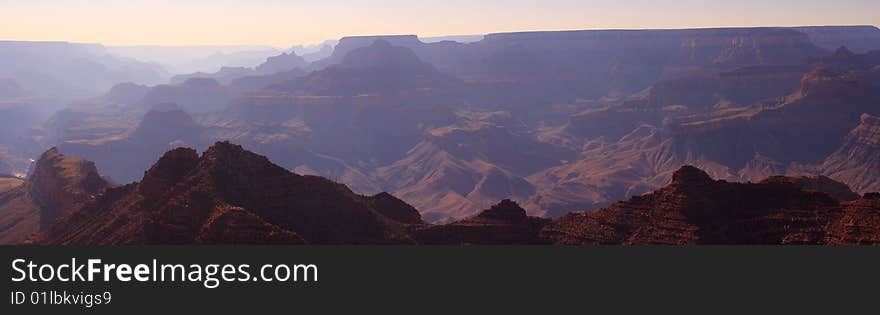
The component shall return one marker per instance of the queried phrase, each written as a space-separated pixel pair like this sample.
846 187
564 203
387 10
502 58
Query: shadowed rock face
504 223
857 161
59 186
230 195
395 209
695 209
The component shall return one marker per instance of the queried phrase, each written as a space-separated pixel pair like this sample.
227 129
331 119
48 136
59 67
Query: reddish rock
859 224
230 195
694 209
59 186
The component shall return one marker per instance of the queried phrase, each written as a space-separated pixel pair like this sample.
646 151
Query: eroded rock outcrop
230 195
857 161
695 209
59 186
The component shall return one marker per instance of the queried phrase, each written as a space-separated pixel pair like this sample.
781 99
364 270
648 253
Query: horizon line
434 36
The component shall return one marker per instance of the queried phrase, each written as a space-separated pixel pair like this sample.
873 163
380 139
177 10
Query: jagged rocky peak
170 168
54 170
60 184
232 163
228 151
232 196
507 210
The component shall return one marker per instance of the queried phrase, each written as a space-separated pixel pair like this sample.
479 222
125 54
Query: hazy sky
284 23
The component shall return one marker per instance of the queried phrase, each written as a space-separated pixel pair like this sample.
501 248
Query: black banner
458 280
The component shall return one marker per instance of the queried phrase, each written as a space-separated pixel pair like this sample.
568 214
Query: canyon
557 122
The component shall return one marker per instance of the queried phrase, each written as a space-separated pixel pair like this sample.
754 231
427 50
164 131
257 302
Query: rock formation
59 186
695 209
505 223
857 161
230 195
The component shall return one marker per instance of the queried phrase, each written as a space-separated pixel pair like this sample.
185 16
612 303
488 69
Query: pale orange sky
284 23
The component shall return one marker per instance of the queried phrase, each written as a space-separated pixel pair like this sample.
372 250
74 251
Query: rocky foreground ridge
229 195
